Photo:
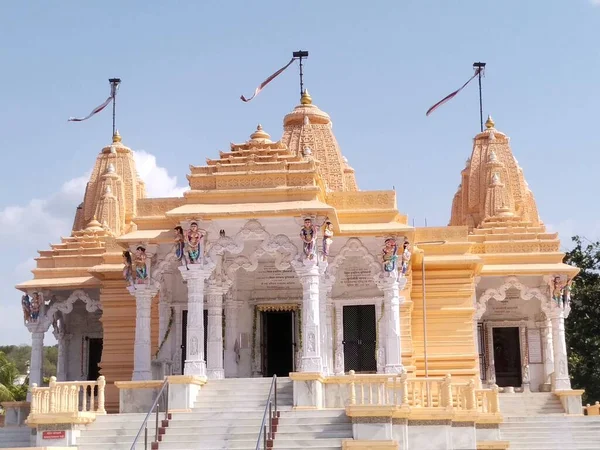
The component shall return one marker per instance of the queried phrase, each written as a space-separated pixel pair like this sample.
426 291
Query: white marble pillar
559 344
231 335
36 362
63 340
176 342
308 272
214 335
548 353
195 276
164 316
325 286
391 285
142 345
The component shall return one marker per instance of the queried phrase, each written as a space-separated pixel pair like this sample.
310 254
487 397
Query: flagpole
480 66
114 86
301 54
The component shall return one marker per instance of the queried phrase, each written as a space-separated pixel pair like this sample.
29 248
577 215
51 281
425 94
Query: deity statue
26 305
327 238
139 264
567 292
180 246
128 273
405 257
308 234
36 304
194 244
557 290
390 255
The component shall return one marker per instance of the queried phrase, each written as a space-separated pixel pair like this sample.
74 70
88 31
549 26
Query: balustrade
401 391
68 397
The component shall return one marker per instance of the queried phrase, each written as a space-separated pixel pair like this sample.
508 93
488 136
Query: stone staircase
15 437
227 415
552 432
531 404
537 421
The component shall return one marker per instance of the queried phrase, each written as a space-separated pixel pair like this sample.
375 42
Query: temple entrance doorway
277 343
184 318
360 338
507 356
94 357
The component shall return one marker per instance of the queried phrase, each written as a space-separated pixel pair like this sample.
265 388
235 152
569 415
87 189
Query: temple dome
493 186
308 126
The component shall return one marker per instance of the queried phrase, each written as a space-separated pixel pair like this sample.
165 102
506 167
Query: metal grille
359 338
482 351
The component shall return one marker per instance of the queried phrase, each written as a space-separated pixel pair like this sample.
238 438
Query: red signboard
53 434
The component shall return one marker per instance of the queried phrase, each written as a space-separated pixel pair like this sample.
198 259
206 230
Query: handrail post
146 438
156 422
270 420
275 382
265 438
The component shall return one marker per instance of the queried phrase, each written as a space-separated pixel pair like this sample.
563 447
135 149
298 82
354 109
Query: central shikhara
275 262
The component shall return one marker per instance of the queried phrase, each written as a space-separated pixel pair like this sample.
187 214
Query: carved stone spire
308 126
113 189
493 184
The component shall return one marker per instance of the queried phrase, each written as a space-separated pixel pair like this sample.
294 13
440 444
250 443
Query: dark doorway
359 339
184 317
94 358
277 343
507 356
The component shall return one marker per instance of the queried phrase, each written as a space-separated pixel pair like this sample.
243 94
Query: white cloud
26 228
157 179
595 2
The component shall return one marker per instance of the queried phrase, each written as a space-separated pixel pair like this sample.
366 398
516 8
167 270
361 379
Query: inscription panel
354 279
535 345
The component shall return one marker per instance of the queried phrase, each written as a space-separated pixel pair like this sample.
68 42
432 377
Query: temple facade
275 262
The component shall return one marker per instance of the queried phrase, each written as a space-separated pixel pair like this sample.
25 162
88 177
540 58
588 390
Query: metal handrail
165 386
272 415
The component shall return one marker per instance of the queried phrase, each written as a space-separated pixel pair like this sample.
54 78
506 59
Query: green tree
9 392
583 325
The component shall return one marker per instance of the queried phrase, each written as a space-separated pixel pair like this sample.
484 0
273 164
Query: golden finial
116 137
489 123
306 99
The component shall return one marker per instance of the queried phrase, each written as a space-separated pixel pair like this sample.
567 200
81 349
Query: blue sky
374 67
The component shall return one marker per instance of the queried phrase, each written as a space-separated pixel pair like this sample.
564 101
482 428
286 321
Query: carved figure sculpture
327 238
390 255
557 290
26 305
139 264
567 292
308 234
193 241
180 246
405 257
36 304
128 273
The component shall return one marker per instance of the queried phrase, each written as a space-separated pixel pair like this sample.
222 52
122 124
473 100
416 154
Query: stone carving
139 264
194 243
128 273
194 346
308 234
36 305
405 257
390 255
180 246
310 344
26 305
499 294
561 291
327 238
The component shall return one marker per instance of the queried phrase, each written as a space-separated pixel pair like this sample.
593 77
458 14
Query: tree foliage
583 325
9 391
19 355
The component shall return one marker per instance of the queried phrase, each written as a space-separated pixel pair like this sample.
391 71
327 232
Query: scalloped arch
526 293
354 245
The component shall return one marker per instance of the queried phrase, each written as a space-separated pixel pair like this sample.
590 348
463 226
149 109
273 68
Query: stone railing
69 399
593 410
401 391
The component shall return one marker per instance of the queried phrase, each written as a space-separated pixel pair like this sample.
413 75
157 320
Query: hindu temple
274 262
